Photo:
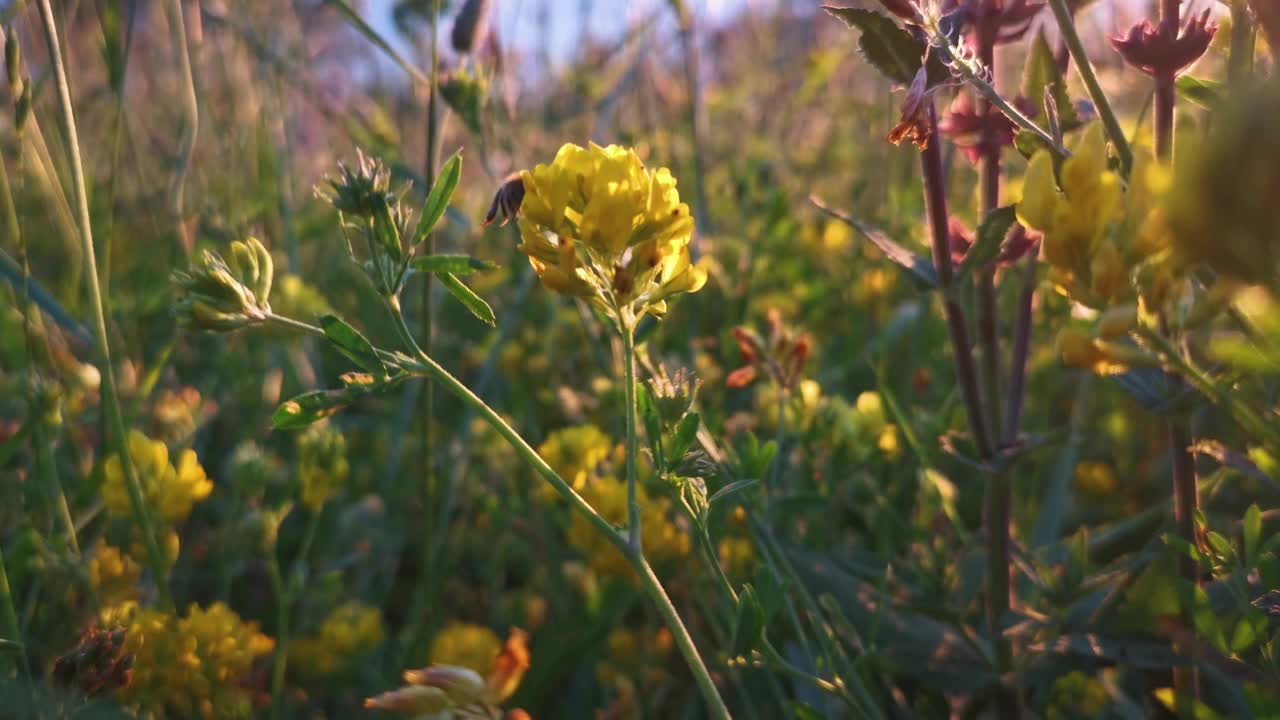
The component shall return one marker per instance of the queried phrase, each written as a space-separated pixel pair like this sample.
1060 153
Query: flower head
348 634
322 464
194 666
169 490
1156 51
221 295
781 356
596 224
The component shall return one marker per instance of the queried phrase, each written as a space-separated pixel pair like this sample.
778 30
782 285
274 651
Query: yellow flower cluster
598 225
169 492
664 541
574 453
635 655
322 464
349 633
1097 232
114 575
193 666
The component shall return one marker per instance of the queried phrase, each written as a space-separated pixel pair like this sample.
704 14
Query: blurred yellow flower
466 645
574 453
596 224
114 575
195 666
663 539
1097 479
1096 230
349 633
169 491
322 464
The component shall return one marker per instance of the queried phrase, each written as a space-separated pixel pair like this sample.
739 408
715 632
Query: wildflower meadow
515 359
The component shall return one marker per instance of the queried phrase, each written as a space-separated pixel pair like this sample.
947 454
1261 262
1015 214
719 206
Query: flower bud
413 701
471 26
464 686
1155 51
217 296
1117 321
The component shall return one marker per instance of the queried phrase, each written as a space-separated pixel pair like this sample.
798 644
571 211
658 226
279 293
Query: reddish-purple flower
1156 51
1015 246
978 133
993 22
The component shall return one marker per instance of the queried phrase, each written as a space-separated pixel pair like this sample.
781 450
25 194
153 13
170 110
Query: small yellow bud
1117 321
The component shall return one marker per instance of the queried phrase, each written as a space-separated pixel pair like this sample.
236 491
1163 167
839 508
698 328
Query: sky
516 24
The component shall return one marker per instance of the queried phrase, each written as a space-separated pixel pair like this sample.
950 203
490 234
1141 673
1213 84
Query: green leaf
891 49
467 297
917 265
731 488
438 199
1042 73
990 238
1220 545
748 630
351 343
1252 531
648 412
1208 94
682 439
387 233
308 408
456 264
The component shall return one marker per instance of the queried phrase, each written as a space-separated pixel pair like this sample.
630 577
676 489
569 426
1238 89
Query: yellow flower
349 633
1105 241
574 453
466 645
195 666
114 575
663 540
596 224
322 464
168 491
1095 479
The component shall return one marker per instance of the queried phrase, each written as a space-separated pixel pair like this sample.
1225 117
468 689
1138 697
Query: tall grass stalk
110 397
190 120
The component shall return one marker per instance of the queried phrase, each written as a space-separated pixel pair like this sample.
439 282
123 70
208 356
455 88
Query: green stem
779 437
653 588
281 660
191 119
285 593
111 399
633 444
11 627
48 470
1067 26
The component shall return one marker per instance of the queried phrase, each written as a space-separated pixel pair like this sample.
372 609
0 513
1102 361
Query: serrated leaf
467 297
889 48
308 408
1208 94
682 439
438 199
351 343
456 264
990 238
1042 72
917 265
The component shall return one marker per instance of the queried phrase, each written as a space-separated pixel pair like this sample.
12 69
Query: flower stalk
1071 39
110 396
634 538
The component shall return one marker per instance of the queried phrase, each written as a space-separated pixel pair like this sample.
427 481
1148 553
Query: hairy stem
110 397
935 196
633 444
997 498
